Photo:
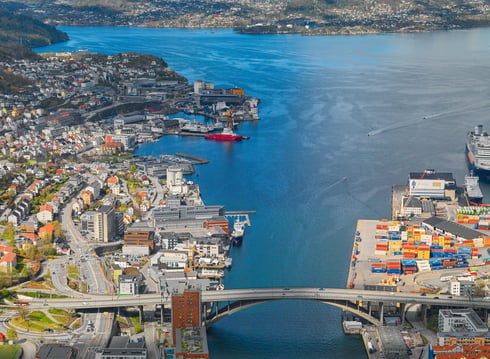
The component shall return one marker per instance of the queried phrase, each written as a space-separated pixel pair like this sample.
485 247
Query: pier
196 160
238 215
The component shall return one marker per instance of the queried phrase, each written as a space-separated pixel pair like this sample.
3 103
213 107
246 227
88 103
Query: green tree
23 313
5 293
29 251
58 230
9 233
480 289
26 272
11 334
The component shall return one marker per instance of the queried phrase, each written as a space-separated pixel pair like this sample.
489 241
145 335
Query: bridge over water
219 304
359 302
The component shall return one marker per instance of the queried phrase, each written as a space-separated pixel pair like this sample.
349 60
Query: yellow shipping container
239 92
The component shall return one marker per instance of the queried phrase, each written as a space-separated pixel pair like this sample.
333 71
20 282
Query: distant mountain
309 17
26 31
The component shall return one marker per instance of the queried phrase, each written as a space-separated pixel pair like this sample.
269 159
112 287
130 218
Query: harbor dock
195 160
427 242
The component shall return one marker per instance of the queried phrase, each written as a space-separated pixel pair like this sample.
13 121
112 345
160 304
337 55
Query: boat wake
397 126
426 118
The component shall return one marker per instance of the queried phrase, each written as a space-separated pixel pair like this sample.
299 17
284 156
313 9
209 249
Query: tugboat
238 232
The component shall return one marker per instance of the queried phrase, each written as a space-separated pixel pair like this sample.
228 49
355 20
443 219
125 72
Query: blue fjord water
342 119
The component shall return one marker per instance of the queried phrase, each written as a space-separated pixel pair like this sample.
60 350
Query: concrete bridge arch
216 313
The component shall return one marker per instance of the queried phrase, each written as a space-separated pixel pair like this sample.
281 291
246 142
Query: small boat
228 262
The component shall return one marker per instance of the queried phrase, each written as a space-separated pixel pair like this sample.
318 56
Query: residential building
186 309
46 232
45 213
87 221
104 224
459 351
191 343
87 196
461 287
461 326
8 262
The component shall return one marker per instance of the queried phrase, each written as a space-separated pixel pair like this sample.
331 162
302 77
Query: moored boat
226 135
478 151
197 127
238 232
475 194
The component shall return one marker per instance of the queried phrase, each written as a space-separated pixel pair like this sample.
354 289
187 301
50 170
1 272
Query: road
89 266
320 294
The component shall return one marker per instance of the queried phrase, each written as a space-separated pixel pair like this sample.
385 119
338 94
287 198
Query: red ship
226 135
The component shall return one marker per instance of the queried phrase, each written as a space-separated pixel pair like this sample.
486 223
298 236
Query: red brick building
186 310
140 238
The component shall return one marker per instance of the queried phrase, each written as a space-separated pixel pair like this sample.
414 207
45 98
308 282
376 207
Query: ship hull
237 240
223 137
483 173
238 232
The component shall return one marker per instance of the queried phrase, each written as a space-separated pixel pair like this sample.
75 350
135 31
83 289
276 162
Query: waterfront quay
431 242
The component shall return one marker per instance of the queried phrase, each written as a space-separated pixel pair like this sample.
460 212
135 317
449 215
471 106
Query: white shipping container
478 242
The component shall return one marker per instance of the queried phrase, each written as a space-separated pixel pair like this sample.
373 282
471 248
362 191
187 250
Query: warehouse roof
452 228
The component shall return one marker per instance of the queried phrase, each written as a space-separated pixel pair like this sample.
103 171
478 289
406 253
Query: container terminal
437 235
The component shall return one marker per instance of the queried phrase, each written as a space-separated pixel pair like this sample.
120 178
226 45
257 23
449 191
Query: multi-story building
461 287
87 221
191 343
140 237
461 326
104 224
186 309
129 284
121 347
185 216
